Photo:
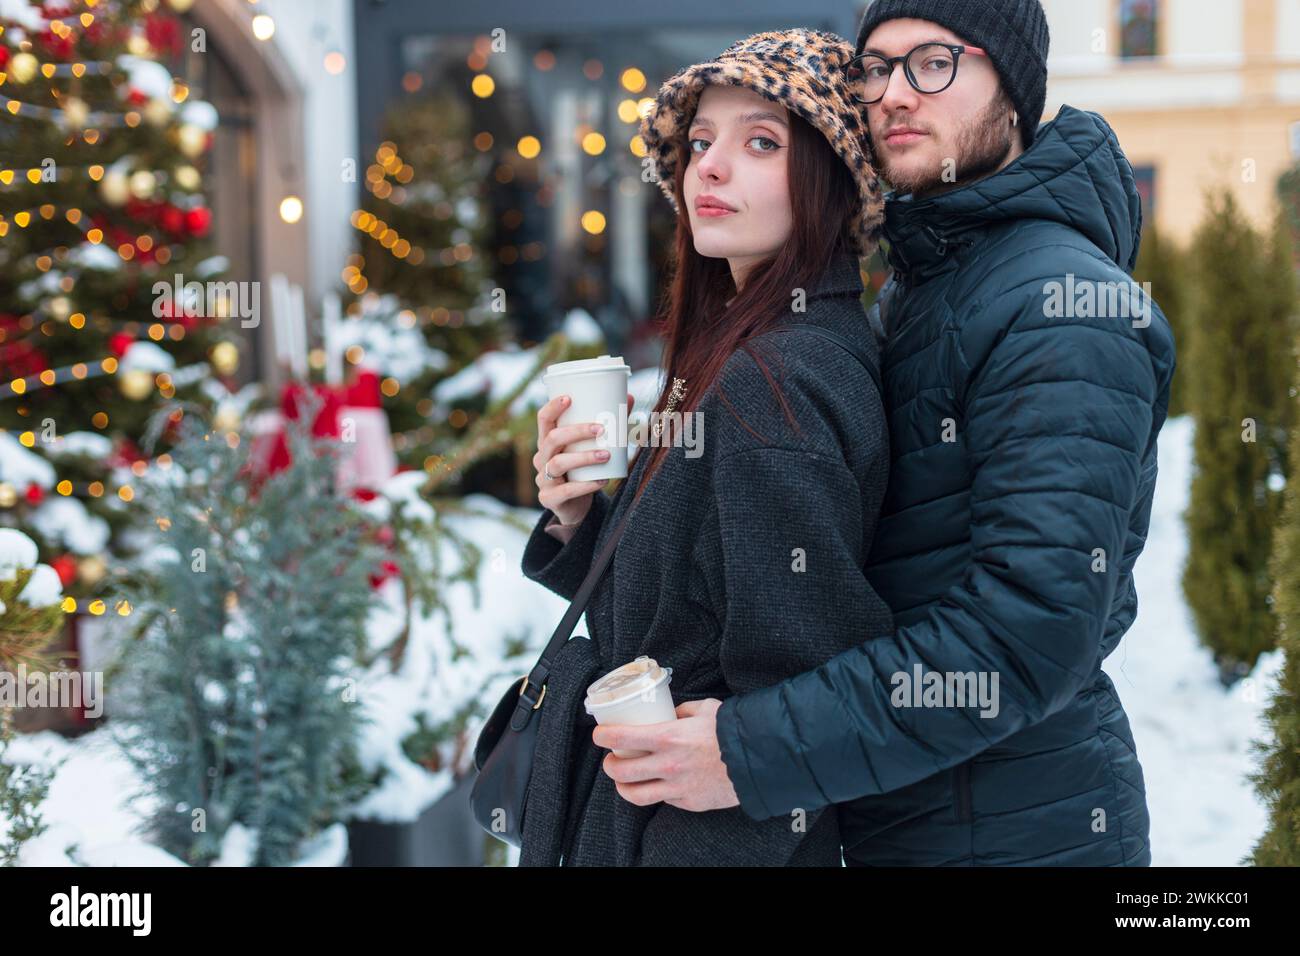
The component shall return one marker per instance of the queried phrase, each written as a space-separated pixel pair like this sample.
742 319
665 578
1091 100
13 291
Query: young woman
741 564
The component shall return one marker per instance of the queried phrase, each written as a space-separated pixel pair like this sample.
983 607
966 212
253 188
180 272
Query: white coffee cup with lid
636 693
597 388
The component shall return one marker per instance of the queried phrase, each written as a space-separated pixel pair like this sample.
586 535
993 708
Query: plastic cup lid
603 363
627 682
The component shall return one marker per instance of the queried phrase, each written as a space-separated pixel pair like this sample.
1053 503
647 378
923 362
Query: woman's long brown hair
701 331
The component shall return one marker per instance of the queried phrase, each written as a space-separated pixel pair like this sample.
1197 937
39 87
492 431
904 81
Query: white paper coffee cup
636 693
597 388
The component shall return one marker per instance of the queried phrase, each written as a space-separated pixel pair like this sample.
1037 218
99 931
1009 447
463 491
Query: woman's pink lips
712 212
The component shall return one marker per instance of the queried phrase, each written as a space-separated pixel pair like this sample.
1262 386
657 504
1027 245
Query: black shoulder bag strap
843 342
505 749
536 680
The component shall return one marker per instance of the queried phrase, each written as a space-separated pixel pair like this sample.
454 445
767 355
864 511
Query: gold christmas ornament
225 358
23 67
226 420
137 45
143 183
75 112
158 112
180 6
59 308
192 140
187 177
91 568
136 384
114 188
8 496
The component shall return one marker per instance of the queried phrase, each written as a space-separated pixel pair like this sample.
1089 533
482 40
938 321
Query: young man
1026 379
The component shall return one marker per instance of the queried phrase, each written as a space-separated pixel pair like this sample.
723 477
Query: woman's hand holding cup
568 500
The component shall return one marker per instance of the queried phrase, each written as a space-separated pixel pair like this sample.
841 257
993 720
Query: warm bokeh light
290 209
633 80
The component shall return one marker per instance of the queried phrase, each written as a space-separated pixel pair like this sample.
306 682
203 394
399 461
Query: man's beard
982 146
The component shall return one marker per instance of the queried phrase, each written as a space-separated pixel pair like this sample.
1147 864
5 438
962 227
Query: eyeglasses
930 68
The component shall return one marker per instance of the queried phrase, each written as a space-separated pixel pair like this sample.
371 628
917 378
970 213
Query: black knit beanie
1012 32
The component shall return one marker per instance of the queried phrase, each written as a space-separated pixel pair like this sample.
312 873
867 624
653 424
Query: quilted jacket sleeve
1059 416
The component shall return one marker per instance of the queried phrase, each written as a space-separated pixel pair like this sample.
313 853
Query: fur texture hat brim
803 70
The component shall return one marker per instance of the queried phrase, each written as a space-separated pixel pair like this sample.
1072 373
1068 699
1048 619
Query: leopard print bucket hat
803 70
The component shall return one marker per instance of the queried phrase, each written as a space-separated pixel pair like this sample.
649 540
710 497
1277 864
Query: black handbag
503 754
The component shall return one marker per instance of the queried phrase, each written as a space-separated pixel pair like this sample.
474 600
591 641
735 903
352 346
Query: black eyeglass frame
956 49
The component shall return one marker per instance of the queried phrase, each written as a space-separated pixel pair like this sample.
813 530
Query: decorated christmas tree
107 302
425 305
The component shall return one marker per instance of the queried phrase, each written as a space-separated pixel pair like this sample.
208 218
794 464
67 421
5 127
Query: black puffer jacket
1023 422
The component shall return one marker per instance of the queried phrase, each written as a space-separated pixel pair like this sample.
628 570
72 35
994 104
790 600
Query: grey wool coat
740 567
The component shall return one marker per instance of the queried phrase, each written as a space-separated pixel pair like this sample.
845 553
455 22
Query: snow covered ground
1192 737
93 819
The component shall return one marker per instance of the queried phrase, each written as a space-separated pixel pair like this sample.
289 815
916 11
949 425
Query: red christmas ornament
172 220
124 454
18 359
4 56
198 220
387 569
66 568
136 97
60 48
119 342
162 33
35 494
96 34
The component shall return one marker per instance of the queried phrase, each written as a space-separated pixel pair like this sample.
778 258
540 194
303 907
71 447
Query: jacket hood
1074 173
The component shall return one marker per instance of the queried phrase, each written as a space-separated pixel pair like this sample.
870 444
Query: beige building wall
1219 105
